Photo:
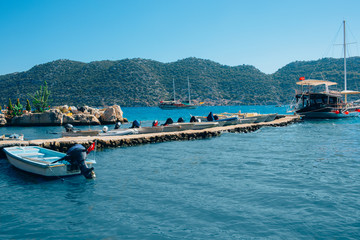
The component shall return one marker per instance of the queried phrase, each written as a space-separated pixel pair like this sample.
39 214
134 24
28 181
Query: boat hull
120 132
270 117
173 107
183 126
36 161
81 133
326 115
177 127
259 118
247 120
145 130
204 125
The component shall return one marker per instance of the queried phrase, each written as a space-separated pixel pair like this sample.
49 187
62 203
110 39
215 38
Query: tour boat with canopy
312 103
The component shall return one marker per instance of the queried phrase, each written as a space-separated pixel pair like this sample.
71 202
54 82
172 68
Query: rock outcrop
64 114
81 119
52 117
112 115
2 120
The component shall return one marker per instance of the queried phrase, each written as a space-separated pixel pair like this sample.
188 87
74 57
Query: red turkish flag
302 78
91 148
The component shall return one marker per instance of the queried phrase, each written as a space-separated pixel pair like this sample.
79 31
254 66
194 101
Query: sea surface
301 181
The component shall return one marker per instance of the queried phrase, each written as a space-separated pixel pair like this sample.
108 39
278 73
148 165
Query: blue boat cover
168 121
210 117
180 120
135 124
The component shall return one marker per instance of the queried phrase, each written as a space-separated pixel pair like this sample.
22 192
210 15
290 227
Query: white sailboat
176 104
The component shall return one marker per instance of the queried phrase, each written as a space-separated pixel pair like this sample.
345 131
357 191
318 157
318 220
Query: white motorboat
118 131
42 161
14 136
271 117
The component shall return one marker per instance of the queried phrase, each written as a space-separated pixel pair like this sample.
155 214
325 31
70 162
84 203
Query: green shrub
18 109
28 107
10 106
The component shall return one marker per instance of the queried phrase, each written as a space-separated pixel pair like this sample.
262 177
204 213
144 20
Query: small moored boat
118 131
81 133
70 131
271 117
49 163
14 136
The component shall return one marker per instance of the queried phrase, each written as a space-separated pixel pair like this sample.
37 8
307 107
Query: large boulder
81 119
52 117
2 120
112 115
89 110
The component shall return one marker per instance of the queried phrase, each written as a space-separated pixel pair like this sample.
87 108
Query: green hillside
142 82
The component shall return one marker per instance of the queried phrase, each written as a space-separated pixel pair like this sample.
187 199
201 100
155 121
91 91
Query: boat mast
174 88
189 89
344 58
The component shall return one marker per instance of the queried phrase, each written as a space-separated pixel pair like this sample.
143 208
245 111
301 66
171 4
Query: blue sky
266 34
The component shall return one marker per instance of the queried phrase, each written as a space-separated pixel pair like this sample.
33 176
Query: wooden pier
63 144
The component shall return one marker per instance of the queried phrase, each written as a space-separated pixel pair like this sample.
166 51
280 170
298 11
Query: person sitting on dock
155 123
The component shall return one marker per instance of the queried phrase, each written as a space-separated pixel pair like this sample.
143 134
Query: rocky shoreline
63 115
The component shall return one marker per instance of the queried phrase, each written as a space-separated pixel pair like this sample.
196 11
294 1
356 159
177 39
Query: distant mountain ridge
143 82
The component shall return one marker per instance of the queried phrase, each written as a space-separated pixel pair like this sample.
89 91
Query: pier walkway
63 144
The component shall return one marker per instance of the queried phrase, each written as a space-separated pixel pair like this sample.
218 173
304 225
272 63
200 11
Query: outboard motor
135 124
210 117
181 120
76 156
117 125
193 119
155 123
168 121
69 128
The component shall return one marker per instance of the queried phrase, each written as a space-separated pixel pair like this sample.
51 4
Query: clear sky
267 34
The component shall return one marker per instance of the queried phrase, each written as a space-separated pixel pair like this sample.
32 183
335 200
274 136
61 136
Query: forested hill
141 82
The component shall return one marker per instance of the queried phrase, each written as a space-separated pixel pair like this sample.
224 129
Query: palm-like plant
40 99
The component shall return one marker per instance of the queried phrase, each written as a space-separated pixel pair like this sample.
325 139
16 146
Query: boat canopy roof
349 92
313 82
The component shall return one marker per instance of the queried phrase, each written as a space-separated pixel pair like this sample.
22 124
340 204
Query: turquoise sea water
294 182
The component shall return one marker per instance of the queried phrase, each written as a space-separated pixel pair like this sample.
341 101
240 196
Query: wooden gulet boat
176 104
324 104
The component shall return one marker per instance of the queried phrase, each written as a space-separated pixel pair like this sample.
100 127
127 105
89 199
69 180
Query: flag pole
95 150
